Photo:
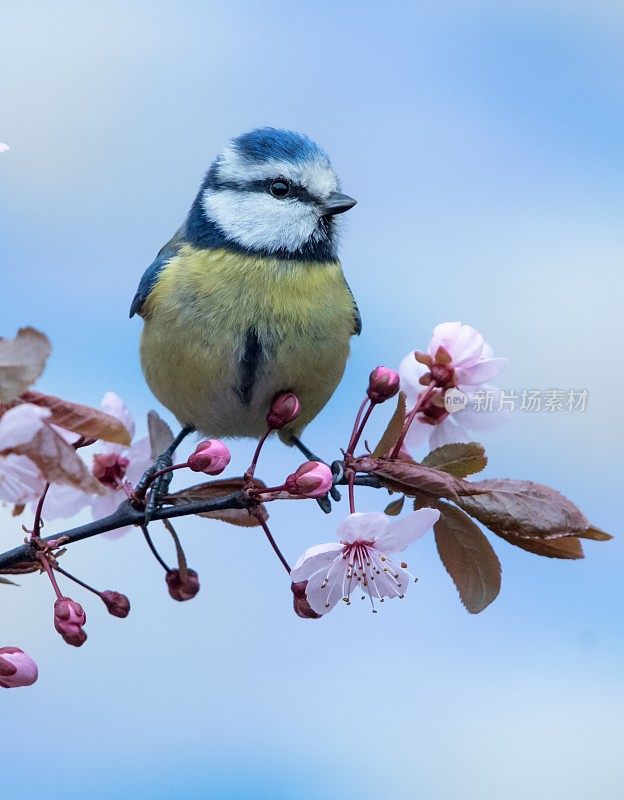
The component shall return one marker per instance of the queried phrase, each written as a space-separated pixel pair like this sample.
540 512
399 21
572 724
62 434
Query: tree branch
127 514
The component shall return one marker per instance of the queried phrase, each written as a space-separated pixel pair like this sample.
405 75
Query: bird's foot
158 487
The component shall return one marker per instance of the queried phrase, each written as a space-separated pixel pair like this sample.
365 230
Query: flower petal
418 433
406 530
363 527
20 480
410 372
464 343
483 370
328 585
107 503
64 502
449 431
113 404
20 425
391 581
140 458
318 557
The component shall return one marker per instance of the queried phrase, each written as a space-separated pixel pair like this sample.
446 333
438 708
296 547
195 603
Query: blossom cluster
59 458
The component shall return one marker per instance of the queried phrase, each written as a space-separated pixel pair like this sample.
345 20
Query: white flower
4 147
457 358
360 559
20 480
113 464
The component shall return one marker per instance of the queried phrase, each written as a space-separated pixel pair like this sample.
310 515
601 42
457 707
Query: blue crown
264 144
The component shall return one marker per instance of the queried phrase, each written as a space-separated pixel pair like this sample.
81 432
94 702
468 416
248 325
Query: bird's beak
337 203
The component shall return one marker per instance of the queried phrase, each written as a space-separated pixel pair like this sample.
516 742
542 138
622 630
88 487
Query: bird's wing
150 276
357 319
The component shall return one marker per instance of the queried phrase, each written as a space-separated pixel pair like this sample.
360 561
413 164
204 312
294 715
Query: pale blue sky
484 144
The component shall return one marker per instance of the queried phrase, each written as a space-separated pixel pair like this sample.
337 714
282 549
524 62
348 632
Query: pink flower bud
182 590
211 456
117 604
16 668
69 618
383 384
76 639
300 601
312 479
284 409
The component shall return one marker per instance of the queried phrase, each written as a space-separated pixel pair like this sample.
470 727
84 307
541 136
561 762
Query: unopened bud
383 384
69 619
179 589
284 409
117 604
211 457
76 639
16 668
312 479
300 601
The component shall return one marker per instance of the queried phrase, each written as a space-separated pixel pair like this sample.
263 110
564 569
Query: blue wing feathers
150 276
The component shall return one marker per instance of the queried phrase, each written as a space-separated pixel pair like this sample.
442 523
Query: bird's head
274 192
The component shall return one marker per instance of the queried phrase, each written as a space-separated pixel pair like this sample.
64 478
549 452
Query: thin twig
152 547
127 514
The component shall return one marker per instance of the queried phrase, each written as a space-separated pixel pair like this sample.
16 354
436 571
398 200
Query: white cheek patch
316 175
259 221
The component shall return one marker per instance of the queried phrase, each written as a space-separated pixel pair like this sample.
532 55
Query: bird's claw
159 488
324 504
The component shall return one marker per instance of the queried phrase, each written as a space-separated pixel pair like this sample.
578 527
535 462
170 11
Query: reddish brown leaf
566 547
219 488
411 478
523 507
394 508
468 558
393 431
459 459
57 460
22 568
84 420
22 361
160 434
595 533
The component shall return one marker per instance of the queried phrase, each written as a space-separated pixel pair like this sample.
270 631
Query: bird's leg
324 502
161 484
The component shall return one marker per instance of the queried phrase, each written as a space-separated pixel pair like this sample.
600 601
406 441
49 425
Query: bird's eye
280 188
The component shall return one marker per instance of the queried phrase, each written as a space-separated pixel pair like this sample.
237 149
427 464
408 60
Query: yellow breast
197 322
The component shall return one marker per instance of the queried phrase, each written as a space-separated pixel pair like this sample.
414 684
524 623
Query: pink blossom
4 147
118 463
360 559
16 668
117 604
69 621
383 384
311 479
284 409
113 464
20 480
180 589
211 457
457 365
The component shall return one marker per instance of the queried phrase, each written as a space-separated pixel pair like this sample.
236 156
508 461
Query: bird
248 298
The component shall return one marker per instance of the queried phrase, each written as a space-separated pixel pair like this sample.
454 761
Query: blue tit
248 299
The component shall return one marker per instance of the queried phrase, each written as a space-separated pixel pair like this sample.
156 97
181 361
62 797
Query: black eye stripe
296 192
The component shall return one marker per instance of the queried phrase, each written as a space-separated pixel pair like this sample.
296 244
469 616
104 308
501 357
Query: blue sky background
484 144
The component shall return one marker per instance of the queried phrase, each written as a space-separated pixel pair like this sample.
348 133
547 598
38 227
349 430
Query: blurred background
484 144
